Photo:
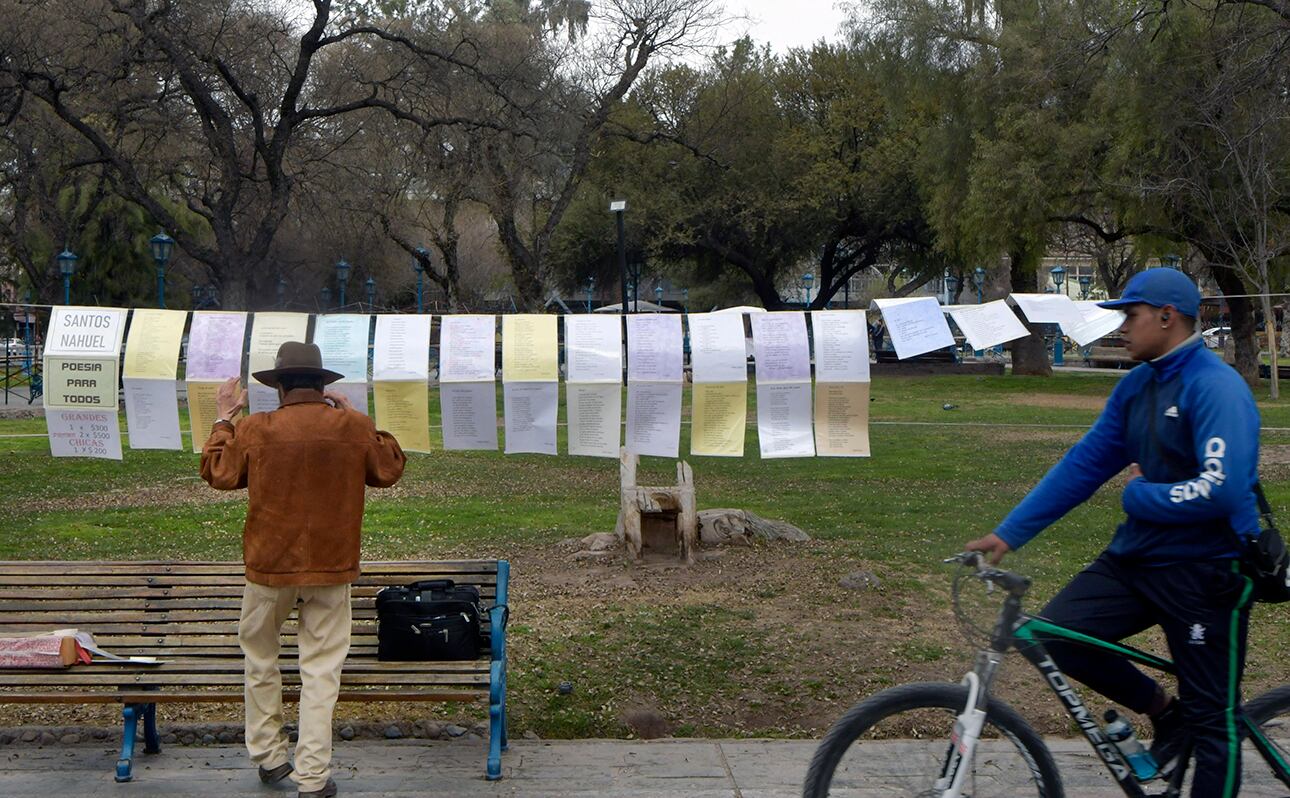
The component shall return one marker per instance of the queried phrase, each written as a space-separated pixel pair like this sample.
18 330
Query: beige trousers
323 637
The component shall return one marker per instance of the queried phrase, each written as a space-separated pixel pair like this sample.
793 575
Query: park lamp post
282 292
591 286
370 284
1085 285
978 278
951 287
342 278
419 255
67 267
162 245
685 301
1059 279
807 279
1172 261
197 296
618 208
325 293
658 295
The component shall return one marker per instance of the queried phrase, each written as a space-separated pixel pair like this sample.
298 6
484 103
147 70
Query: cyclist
1186 426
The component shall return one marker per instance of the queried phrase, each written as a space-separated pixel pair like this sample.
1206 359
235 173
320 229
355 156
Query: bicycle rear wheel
896 743
1270 712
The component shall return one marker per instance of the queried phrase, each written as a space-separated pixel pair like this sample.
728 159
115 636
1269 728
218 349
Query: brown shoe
275 775
327 791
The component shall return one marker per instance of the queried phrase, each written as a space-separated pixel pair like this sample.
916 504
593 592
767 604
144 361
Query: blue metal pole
67 289
161 285
342 295
420 305
1058 359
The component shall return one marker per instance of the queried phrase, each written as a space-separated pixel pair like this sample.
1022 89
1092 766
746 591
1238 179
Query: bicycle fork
968 725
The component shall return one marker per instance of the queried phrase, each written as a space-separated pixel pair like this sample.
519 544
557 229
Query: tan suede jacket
305 466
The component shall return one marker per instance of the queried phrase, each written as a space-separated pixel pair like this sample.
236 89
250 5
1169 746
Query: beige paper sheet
202 411
530 348
80 383
842 419
403 410
718 419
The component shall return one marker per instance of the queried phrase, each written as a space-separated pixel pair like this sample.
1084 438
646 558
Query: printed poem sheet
401 377
342 339
530 382
841 383
214 355
593 348
783 358
654 377
467 381
151 399
720 410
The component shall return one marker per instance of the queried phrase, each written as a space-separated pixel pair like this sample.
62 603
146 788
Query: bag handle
432 584
1265 509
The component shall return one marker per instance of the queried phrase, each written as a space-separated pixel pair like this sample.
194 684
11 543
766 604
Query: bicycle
989 745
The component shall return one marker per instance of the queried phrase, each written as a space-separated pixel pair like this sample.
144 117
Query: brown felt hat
296 357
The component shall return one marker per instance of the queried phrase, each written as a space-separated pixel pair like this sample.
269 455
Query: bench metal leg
130 715
151 740
497 720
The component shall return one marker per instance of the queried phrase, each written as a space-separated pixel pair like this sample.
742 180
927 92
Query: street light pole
978 278
325 293
342 277
807 279
282 292
591 285
162 245
371 293
618 208
66 267
419 255
1058 273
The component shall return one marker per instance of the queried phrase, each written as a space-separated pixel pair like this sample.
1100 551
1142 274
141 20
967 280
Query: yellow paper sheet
270 331
719 415
842 419
152 347
530 348
403 410
202 411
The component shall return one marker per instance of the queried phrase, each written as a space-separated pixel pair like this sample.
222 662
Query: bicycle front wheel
1266 766
897 742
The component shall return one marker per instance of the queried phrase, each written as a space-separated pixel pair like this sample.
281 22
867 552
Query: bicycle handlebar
1014 583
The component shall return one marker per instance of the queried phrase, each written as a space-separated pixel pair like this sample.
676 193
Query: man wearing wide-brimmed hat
305 467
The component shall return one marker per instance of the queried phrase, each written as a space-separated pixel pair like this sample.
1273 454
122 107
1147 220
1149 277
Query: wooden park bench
1116 357
186 615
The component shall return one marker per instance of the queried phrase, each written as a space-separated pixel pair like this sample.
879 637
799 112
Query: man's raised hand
230 398
992 546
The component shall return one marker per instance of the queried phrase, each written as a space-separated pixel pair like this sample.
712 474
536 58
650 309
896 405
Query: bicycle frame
1025 633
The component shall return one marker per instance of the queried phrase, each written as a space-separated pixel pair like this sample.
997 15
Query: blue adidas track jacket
1190 422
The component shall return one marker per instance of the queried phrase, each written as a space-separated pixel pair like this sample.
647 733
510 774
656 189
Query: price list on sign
84 433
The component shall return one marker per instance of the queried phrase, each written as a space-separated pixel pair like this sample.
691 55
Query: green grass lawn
758 641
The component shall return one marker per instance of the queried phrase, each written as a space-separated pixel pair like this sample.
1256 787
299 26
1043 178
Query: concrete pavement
534 769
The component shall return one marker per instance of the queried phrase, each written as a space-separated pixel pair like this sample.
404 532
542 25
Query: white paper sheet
717 349
261 398
784 413
1098 323
915 326
467 349
355 392
654 346
270 331
654 418
401 350
530 410
215 345
152 414
595 418
780 349
1048 309
84 433
85 331
342 338
988 325
469 413
593 348
841 345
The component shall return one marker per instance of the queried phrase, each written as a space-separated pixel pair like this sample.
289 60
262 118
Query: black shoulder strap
1265 509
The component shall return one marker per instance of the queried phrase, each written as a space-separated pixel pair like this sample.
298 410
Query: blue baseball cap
1160 287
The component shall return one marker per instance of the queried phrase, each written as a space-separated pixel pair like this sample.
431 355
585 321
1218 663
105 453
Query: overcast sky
785 23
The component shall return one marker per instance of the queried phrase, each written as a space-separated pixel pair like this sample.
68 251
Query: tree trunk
1270 327
1029 354
1243 324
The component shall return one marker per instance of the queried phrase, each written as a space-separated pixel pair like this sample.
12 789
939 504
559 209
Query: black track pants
1203 608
